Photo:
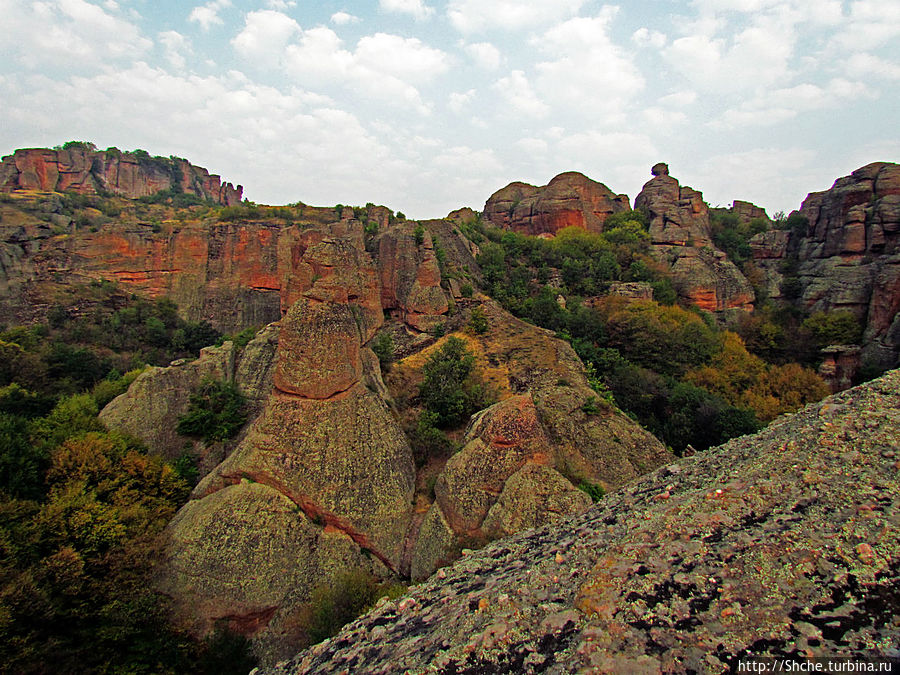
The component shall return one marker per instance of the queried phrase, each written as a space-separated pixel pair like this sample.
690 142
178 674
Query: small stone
560 558
483 604
865 551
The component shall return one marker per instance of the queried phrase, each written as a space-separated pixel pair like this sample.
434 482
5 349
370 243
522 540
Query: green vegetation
216 412
592 490
451 389
383 346
419 234
667 366
733 236
478 321
81 508
337 602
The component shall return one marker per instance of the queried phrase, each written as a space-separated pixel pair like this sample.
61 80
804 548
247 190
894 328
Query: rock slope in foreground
785 542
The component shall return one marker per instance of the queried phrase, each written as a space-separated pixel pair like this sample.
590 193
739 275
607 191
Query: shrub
450 389
216 412
478 321
593 490
339 601
383 346
466 290
419 234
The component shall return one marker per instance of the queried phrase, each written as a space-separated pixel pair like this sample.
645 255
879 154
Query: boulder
569 200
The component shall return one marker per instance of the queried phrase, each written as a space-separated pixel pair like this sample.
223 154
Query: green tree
216 412
450 388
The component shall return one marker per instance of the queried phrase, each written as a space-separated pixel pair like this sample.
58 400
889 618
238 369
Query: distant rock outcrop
846 256
127 174
569 200
680 237
782 544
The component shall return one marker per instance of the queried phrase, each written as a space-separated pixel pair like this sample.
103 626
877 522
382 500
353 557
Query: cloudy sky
429 105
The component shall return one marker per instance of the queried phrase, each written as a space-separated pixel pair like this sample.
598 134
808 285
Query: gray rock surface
786 542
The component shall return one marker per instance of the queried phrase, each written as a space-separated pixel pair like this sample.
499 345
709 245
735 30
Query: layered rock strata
93 172
846 256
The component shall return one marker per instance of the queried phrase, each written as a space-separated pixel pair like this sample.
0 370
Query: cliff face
680 238
781 544
232 273
323 479
847 256
569 200
130 175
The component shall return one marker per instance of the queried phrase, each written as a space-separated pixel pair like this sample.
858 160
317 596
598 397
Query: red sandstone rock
124 174
569 200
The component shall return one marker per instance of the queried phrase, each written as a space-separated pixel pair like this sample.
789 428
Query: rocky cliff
680 238
232 272
569 200
843 252
786 544
93 172
322 480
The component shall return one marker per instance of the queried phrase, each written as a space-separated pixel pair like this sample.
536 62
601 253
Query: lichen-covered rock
547 416
533 496
569 200
150 409
782 544
246 558
344 460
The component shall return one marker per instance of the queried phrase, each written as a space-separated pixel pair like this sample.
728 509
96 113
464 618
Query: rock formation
681 238
150 409
233 273
540 432
322 480
129 175
569 200
781 544
846 256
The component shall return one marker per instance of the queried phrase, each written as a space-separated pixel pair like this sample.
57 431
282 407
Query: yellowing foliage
746 381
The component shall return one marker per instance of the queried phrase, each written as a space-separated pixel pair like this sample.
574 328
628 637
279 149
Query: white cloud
757 56
383 66
265 35
208 15
779 105
67 33
474 16
281 5
459 102
772 177
416 8
586 70
532 146
653 38
176 47
517 92
343 18
679 99
871 24
485 55
869 66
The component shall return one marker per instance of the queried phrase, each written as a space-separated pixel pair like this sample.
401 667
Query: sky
426 106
